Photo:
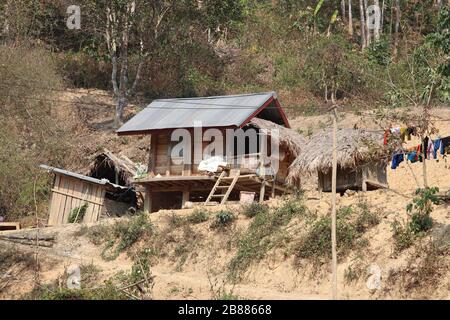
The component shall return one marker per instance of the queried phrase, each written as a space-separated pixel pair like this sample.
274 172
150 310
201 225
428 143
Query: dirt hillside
193 259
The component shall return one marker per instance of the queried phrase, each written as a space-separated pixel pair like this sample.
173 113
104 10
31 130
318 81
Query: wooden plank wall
162 159
164 165
161 163
69 193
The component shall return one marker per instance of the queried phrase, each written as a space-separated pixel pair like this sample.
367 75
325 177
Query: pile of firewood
32 239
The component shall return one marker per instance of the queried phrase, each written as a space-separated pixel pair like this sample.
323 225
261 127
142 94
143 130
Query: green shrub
420 223
355 270
366 219
420 220
403 237
261 235
223 219
316 243
379 52
198 216
76 215
254 209
124 234
106 292
175 220
97 234
420 209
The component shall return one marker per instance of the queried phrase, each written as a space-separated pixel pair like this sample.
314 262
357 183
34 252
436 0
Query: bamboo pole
333 207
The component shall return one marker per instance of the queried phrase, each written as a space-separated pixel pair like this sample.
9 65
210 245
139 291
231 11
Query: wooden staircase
226 182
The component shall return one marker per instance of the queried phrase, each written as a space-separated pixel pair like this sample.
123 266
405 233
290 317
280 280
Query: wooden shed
172 181
71 191
361 160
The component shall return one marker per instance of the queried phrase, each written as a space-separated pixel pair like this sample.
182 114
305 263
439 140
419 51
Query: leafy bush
223 219
403 238
76 215
124 234
96 234
254 209
420 220
421 208
198 216
350 227
379 51
259 237
106 292
366 219
354 271
175 220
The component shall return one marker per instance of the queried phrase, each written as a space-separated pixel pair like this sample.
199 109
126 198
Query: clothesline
428 149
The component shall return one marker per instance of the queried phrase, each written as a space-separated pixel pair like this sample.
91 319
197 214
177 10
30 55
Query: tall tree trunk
368 31
362 24
382 16
397 28
350 18
391 14
376 31
122 102
343 14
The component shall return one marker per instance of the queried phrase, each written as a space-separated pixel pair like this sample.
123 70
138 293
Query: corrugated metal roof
218 111
103 182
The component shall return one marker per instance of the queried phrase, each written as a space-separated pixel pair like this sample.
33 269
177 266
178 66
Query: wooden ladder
218 186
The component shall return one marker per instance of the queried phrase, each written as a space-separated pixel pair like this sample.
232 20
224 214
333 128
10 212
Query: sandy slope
275 277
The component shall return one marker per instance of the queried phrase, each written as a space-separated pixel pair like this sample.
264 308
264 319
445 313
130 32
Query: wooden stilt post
262 191
364 179
333 207
185 198
273 188
148 200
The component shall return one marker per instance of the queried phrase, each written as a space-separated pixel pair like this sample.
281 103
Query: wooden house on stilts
252 163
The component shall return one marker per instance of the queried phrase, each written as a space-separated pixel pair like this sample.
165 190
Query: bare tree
396 28
343 14
368 32
350 18
376 31
362 24
142 20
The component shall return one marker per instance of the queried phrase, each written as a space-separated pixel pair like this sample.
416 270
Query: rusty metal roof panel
218 111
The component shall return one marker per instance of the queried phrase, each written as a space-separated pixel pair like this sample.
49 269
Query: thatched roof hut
289 139
360 157
117 169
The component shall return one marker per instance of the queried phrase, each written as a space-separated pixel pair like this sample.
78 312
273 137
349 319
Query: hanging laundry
403 132
410 131
445 145
430 149
425 147
397 158
412 157
436 147
386 137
